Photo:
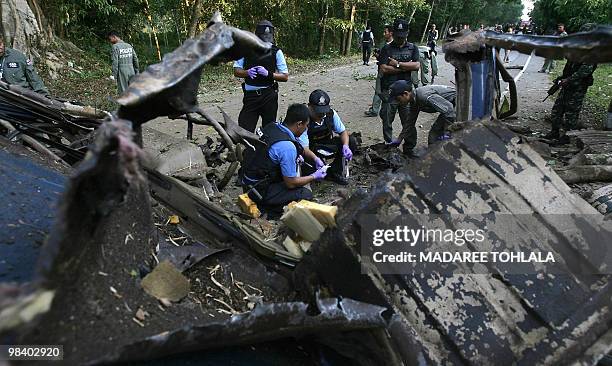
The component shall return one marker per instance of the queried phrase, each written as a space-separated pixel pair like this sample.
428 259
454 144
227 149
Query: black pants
332 145
366 48
277 196
258 103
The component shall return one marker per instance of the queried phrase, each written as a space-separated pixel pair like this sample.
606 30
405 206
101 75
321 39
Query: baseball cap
320 101
265 31
398 88
400 28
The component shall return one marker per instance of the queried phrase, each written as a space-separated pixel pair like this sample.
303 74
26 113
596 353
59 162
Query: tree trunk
344 32
412 15
427 22
322 30
150 19
195 18
349 36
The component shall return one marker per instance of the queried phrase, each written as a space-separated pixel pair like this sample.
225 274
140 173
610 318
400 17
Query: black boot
552 135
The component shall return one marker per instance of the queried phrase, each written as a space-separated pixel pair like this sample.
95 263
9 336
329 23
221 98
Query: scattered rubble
163 266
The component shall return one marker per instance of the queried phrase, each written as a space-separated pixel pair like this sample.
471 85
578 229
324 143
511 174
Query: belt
258 91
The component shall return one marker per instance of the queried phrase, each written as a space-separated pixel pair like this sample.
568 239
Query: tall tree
195 18
427 22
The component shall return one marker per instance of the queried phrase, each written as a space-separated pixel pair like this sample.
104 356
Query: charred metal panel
477 319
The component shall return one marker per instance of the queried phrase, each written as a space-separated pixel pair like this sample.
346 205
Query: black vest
260 167
366 36
407 53
324 131
268 61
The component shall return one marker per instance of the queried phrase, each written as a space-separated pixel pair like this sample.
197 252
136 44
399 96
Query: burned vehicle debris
149 250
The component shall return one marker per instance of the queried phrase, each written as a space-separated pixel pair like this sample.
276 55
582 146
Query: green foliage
573 13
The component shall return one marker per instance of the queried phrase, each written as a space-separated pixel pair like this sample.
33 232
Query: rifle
553 89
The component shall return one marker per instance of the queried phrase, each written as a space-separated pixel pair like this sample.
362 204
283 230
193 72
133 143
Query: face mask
399 40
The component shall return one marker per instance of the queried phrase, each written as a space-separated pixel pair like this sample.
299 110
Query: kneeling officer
271 174
321 142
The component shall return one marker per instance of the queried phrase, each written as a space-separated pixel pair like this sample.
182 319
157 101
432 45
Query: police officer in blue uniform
261 76
271 174
397 60
320 140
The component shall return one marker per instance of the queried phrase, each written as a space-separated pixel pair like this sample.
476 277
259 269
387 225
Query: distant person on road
506 51
397 61
429 99
367 40
549 63
432 38
575 81
17 69
376 101
124 61
261 76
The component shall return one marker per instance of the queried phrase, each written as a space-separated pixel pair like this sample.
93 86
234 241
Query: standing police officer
397 60
320 139
16 69
125 61
271 174
260 86
367 40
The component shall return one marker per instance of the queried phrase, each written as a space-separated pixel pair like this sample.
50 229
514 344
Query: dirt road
351 89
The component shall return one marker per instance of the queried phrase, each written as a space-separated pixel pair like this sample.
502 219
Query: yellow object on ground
302 222
248 206
174 219
325 214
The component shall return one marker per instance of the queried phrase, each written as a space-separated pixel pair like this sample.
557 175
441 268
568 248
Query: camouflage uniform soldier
16 69
575 81
125 61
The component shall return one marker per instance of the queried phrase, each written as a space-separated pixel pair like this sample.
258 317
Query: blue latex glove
319 163
395 142
262 71
346 152
252 72
319 174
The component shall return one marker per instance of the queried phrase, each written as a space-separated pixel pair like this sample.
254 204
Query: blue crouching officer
271 175
320 142
261 76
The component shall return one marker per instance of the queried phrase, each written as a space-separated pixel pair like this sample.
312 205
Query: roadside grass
598 96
